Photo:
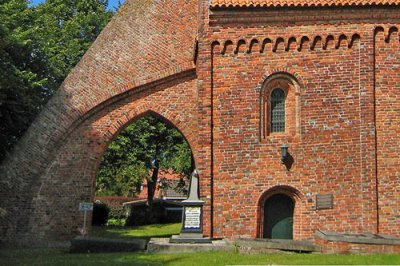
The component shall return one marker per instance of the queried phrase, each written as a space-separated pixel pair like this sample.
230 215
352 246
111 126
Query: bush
143 214
116 222
115 204
100 213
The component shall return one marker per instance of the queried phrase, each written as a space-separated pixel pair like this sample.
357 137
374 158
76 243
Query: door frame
292 193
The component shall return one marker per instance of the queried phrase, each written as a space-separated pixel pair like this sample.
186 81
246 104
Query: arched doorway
278 217
143 173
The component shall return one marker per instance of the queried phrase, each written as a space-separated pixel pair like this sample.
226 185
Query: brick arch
289 191
70 176
120 123
140 50
168 116
285 73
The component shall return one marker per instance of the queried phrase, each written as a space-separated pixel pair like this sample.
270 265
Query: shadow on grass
63 257
142 232
139 259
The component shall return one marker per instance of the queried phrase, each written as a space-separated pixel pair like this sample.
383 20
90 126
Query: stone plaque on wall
323 201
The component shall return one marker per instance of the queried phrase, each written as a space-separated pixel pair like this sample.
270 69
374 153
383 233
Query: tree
141 151
22 73
71 26
38 48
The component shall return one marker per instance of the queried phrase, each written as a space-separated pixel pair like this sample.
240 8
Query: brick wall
333 149
387 93
341 69
71 179
147 43
330 247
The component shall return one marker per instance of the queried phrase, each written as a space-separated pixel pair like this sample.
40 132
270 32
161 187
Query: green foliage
71 26
22 72
157 214
38 48
115 204
116 222
126 162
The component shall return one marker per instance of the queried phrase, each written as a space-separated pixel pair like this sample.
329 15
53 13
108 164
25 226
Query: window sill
281 137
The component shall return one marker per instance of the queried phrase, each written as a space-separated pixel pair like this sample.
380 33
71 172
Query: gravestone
192 216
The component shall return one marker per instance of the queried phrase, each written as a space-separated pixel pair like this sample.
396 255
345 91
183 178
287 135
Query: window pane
278 110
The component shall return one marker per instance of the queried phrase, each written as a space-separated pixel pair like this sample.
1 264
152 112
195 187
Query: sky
111 3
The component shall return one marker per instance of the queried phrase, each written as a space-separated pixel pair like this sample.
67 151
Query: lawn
145 231
62 257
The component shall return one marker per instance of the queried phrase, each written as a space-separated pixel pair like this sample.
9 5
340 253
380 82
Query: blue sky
111 3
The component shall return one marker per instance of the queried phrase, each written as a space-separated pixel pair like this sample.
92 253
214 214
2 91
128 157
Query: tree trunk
151 186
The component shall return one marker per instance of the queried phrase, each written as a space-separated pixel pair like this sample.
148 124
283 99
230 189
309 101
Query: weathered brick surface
387 95
71 178
330 247
342 79
329 126
147 41
334 143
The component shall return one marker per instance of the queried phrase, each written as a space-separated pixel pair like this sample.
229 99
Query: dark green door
278 217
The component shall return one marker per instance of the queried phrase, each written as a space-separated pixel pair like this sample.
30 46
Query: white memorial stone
192 217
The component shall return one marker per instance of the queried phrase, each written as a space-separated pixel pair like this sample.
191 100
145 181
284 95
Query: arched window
277 111
280 108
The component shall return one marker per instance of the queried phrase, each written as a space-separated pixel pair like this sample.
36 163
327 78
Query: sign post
85 207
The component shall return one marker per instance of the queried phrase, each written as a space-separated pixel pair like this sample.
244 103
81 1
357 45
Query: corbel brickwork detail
286 43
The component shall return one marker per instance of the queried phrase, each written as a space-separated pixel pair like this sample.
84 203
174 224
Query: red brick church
291 109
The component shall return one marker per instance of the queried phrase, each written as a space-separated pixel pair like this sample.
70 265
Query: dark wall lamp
284 151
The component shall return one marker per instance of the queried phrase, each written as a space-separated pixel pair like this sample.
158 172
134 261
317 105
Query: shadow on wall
289 161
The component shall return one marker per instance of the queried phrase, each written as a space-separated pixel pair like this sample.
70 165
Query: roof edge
301 4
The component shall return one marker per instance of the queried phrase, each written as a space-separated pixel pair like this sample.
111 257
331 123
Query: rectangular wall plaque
323 202
192 217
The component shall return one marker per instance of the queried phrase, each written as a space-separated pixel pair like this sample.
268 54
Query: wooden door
278 217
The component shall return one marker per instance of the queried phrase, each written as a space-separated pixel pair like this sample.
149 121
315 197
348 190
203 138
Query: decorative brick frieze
285 44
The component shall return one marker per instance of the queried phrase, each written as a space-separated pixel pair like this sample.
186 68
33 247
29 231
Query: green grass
145 231
62 257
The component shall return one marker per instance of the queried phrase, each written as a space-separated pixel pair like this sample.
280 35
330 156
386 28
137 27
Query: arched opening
278 217
143 174
279 213
280 106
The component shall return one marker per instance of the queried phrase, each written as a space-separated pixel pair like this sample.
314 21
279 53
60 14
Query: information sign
85 206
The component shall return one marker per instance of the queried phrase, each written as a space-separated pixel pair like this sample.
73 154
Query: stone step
257 245
163 245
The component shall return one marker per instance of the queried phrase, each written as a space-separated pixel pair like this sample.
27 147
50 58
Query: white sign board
192 217
85 206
